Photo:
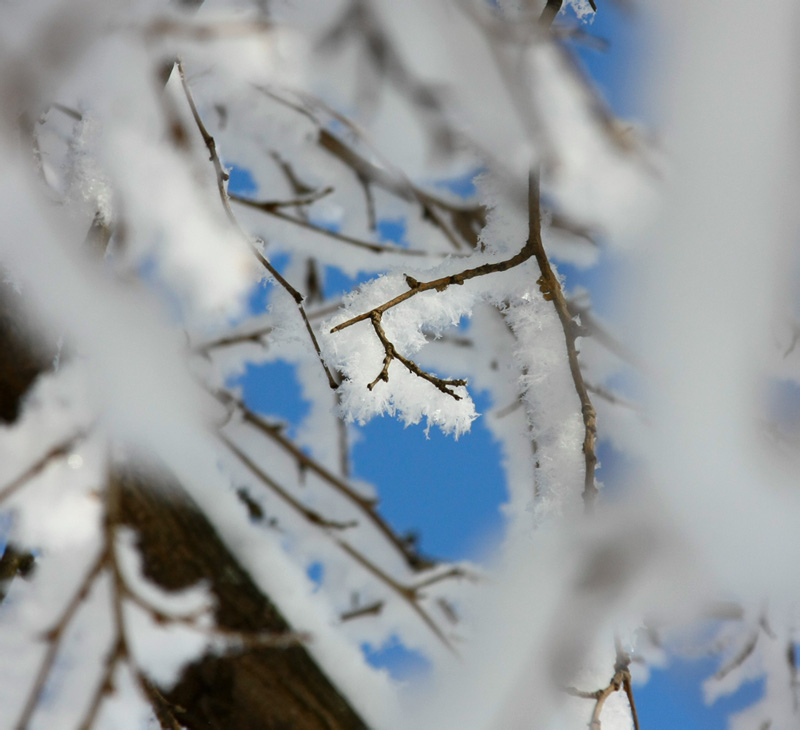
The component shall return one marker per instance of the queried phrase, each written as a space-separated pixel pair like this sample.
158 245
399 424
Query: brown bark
260 688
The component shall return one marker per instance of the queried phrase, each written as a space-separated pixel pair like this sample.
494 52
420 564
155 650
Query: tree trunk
255 688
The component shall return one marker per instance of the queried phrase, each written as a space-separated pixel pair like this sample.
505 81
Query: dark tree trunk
256 688
261 688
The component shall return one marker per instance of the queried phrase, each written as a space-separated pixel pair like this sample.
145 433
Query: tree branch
367 505
620 680
56 452
392 354
551 288
55 635
271 209
222 178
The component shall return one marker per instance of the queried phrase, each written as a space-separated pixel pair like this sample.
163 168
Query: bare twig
549 13
417 287
610 396
391 353
313 517
55 635
371 609
304 461
365 504
509 409
620 681
740 657
158 702
56 452
204 32
369 201
271 209
256 337
118 651
467 220
561 223
551 287
454 572
269 206
795 339
73 114
601 335
794 680
222 178
409 594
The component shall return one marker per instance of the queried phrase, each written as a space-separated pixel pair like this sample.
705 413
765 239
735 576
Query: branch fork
446 386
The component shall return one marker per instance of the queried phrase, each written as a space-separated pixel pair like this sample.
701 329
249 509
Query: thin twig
371 609
116 654
601 335
313 517
794 341
270 209
791 660
740 657
299 201
57 451
549 13
342 438
222 178
369 201
620 681
417 287
465 218
158 702
204 32
610 396
118 651
454 572
366 505
408 594
256 337
73 114
391 353
54 636
509 409
551 287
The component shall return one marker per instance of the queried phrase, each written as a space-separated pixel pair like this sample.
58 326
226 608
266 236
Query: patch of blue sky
316 573
240 180
615 66
401 663
445 491
337 283
461 185
615 470
258 299
272 390
673 698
